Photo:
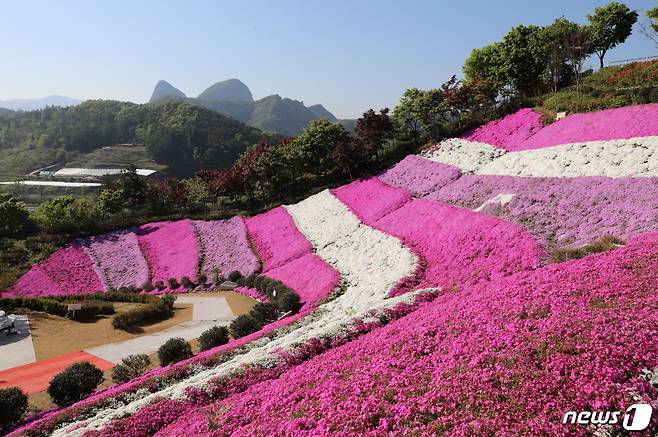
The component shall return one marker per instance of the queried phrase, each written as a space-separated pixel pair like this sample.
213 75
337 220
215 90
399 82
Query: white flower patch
615 158
501 199
468 156
370 263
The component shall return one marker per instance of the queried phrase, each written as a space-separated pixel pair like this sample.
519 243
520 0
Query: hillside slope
431 301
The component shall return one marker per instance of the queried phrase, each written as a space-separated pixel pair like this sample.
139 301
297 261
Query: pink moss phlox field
562 211
276 238
371 199
508 357
511 132
171 249
69 268
224 245
34 283
419 175
458 246
610 124
119 258
311 278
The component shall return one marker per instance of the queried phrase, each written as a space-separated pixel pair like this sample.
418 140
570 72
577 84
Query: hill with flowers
434 299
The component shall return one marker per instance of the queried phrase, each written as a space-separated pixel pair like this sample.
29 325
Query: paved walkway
207 312
35 377
17 349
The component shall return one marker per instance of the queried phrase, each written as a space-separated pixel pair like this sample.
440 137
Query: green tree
558 40
14 216
66 214
486 63
651 31
524 52
314 146
111 201
610 25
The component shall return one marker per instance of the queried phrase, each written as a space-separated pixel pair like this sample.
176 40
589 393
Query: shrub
75 383
234 276
287 300
173 283
264 313
244 325
216 276
202 279
159 309
91 310
14 216
159 285
13 405
213 337
174 350
131 367
148 286
169 300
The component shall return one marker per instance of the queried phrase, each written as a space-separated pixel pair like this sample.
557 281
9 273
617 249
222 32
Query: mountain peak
164 88
231 90
322 112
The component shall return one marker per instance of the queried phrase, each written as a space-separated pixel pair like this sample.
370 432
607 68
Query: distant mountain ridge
234 99
32 104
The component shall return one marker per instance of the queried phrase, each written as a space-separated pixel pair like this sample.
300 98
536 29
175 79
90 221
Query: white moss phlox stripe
468 156
612 158
616 158
370 263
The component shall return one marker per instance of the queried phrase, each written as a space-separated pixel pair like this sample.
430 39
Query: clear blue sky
347 55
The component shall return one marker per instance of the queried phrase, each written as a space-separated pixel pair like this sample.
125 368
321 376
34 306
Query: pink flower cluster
276 238
171 249
224 245
67 271
610 124
508 357
119 258
562 211
457 245
419 175
511 132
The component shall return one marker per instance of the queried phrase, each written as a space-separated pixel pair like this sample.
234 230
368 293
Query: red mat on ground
35 377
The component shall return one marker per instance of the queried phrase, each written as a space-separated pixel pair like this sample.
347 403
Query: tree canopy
610 25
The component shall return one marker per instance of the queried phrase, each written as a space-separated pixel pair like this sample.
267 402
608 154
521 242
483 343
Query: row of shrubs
90 309
157 309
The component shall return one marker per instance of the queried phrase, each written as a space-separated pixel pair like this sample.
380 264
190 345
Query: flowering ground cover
276 238
119 258
34 283
419 175
170 248
224 245
458 246
508 357
562 211
511 132
610 124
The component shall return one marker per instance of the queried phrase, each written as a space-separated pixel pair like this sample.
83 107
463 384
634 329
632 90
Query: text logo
636 417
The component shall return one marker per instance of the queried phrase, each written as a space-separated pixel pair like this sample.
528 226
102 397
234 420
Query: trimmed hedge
89 311
13 406
157 309
213 337
174 350
75 383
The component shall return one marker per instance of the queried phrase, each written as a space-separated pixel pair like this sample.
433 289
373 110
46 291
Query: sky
348 55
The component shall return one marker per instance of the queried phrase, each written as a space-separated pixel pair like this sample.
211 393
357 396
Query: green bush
264 313
169 300
174 350
157 310
244 325
234 276
13 405
89 311
186 282
213 337
202 279
148 286
159 285
173 283
75 383
14 216
131 367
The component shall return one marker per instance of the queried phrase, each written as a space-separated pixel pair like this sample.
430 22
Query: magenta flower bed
457 246
371 199
310 277
276 237
119 258
34 283
563 211
419 175
224 245
510 132
73 271
502 358
611 124
171 249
